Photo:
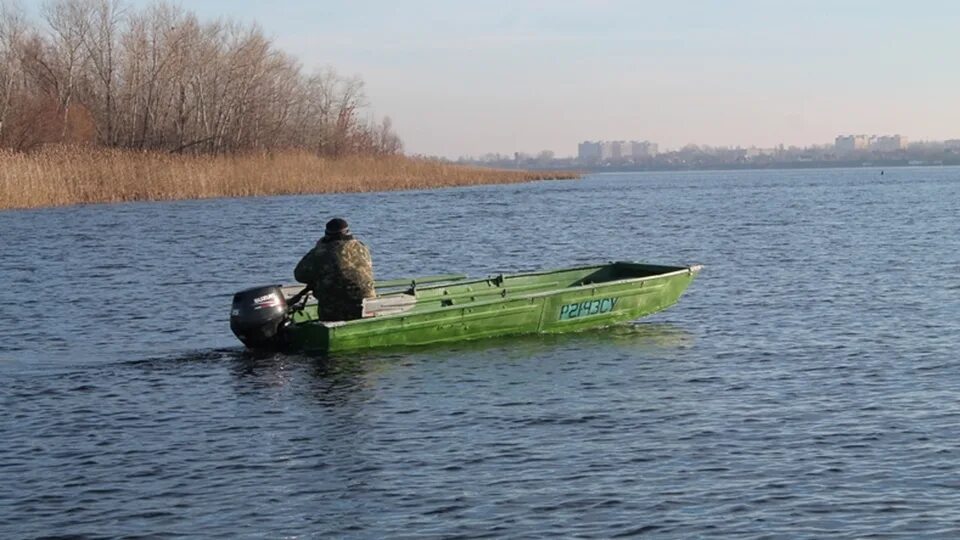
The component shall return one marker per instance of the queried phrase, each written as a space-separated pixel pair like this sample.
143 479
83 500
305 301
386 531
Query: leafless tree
101 43
67 20
158 78
12 30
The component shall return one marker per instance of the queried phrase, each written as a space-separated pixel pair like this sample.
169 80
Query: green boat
438 309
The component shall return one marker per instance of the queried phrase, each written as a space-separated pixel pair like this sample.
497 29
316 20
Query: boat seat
388 305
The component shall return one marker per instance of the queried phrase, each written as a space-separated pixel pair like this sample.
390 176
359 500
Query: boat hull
552 302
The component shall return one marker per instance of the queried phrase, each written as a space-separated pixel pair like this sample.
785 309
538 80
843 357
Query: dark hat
337 226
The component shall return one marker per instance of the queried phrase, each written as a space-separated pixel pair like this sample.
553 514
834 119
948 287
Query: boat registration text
589 307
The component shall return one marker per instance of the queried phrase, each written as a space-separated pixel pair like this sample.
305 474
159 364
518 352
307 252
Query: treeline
101 72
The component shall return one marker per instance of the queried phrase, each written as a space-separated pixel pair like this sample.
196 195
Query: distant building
607 151
588 151
845 144
888 143
753 152
643 149
952 144
614 151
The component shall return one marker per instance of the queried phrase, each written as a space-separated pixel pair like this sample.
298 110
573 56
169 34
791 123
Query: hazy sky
462 78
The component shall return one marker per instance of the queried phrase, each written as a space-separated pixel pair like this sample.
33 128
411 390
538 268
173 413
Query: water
805 386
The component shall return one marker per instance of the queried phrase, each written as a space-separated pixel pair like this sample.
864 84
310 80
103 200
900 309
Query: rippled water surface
806 385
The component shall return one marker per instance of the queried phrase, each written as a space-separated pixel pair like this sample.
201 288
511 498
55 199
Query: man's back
341 273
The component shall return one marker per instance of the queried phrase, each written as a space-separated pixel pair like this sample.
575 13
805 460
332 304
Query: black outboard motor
258 315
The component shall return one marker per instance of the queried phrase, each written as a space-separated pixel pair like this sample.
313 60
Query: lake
806 385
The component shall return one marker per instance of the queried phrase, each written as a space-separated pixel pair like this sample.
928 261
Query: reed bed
57 176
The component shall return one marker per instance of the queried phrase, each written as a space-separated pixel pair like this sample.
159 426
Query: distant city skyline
509 77
600 151
846 151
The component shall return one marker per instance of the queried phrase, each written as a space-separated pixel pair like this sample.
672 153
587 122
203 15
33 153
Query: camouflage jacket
341 273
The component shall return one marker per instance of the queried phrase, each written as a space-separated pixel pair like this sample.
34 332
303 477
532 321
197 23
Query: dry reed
57 176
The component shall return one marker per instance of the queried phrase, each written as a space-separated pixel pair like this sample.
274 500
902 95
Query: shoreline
59 176
782 166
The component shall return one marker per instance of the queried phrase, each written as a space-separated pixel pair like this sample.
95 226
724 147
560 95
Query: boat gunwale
692 270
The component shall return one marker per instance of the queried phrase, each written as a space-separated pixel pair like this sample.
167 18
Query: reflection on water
348 372
643 335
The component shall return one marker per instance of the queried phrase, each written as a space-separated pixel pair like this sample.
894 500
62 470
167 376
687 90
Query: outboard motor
258 314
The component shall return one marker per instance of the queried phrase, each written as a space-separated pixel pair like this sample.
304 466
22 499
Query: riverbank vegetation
56 176
102 101
100 72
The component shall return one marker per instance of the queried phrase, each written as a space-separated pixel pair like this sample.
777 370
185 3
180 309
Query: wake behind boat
438 309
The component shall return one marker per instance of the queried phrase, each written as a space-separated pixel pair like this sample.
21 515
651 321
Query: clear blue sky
502 76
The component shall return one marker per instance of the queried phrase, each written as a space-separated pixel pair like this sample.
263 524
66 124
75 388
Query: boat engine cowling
258 315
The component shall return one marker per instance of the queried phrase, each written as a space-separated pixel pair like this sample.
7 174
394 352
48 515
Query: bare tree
12 33
158 78
101 45
388 142
67 20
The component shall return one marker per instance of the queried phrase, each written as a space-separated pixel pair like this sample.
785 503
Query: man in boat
340 272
